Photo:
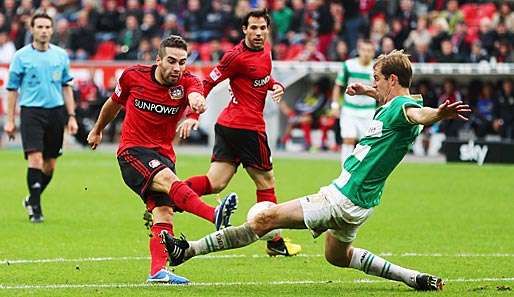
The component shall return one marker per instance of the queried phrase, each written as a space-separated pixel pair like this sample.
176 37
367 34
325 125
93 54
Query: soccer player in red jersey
154 98
240 133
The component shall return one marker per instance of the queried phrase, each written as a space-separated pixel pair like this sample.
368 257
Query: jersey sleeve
401 119
226 68
15 74
122 90
66 76
342 76
272 82
194 85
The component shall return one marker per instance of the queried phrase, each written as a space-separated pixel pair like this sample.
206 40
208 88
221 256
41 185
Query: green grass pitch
456 221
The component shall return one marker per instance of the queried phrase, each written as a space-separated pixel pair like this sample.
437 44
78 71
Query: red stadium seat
106 50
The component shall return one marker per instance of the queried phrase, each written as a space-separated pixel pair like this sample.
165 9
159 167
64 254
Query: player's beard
168 79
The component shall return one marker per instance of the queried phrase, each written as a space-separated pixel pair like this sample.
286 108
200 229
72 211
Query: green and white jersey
360 105
379 152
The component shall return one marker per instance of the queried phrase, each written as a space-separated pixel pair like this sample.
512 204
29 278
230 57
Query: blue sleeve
66 76
15 74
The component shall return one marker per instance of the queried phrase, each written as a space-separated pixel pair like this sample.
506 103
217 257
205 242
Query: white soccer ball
254 210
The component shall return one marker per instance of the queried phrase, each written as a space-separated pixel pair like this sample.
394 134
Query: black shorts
242 146
138 166
42 130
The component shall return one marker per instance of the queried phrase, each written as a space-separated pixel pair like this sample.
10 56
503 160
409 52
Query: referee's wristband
71 115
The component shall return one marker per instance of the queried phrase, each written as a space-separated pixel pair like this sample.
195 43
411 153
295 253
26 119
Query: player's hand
10 129
197 103
278 93
356 89
72 126
456 110
94 138
184 128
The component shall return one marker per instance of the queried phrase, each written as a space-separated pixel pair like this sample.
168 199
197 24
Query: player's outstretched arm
361 89
109 111
428 116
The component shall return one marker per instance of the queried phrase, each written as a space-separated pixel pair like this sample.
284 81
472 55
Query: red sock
157 251
200 184
266 195
306 128
188 200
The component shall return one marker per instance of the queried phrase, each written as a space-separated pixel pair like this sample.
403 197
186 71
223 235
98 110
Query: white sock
224 239
374 265
346 151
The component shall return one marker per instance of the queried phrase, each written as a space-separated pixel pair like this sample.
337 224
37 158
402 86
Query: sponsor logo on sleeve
215 74
117 90
176 93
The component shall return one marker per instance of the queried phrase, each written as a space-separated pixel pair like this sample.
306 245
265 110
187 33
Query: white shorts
354 127
330 210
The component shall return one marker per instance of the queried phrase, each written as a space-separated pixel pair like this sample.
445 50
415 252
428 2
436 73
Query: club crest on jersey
176 93
154 163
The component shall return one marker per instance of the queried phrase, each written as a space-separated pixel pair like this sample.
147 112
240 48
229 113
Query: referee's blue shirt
40 76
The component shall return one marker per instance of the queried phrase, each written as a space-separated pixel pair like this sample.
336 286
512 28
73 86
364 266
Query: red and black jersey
249 72
152 110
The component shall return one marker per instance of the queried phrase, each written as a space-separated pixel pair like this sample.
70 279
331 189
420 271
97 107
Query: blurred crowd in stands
492 117
303 30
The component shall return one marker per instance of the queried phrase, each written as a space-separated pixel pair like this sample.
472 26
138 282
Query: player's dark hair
40 15
172 41
258 13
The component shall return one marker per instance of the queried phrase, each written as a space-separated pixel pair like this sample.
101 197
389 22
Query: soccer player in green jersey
345 204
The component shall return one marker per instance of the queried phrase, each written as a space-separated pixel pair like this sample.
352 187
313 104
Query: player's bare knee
162 214
263 222
35 160
218 186
163 180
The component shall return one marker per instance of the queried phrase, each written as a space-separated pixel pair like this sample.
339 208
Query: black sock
34 183
45 180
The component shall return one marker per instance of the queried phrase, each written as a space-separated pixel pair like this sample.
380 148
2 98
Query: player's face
172 65
42 30
382 85
366 53
256 33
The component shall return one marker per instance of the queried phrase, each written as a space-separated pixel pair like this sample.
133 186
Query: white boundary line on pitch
229 284
231 256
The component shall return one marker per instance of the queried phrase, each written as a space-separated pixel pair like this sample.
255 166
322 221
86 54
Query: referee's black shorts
42 130
242 146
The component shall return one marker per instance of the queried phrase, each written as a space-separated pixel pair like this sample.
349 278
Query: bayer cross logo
154 163
176 93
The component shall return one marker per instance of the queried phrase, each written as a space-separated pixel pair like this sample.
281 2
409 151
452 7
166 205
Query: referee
41 73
